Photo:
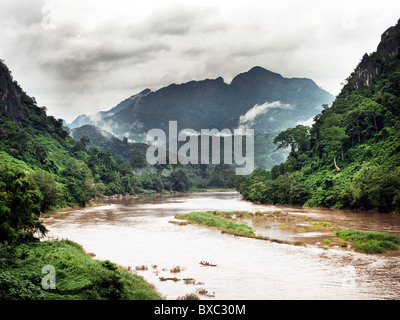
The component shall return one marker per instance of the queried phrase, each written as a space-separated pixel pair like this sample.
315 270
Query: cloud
173 20
102 52
308 122
253 113
89 62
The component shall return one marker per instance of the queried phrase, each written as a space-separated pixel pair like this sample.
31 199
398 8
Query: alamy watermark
49 19
49 280
189 151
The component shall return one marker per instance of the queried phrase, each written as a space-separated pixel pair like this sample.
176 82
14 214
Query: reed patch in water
189 281
175 279
213 219
370 241
192 281
189 296
176 269
141 268
204 292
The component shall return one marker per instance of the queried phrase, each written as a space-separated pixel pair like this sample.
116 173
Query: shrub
189 296
15 288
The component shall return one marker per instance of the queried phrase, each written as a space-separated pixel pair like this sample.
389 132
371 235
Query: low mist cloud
248 118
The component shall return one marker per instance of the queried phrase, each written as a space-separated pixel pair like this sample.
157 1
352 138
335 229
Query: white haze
307 123
248 118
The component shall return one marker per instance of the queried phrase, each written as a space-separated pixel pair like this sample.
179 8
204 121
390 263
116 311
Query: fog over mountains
250 99
258 99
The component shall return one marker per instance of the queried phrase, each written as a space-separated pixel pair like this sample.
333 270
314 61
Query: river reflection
136 232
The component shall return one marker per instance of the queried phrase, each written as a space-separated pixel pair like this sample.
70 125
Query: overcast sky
79 57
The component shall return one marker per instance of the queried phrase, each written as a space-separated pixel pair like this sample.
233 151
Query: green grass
78 277
222 221
213 219
370 241
320 223
326 241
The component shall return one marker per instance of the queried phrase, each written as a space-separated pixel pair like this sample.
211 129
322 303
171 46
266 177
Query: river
136 232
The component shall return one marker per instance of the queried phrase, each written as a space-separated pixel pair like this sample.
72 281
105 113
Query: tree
179 181
203 170
138 162
52 193
332 141
372 188
80 184
85 140
354 116
373 109
20 204
297 138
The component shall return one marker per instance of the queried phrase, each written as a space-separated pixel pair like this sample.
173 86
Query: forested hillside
42 168
350 157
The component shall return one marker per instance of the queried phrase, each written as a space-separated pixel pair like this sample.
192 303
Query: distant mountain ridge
212 103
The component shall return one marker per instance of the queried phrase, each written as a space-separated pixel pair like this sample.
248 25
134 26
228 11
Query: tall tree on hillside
297 138
20 203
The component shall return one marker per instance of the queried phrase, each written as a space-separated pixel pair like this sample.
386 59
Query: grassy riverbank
77 275
214 219
222 220
370 241
330 234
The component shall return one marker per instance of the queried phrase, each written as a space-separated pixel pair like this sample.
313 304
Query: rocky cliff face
10 99
371 66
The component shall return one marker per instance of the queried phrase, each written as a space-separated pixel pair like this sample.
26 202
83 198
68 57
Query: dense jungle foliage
350 157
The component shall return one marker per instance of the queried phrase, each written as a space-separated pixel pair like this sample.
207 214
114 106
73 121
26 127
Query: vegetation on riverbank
221 220
77 275
370 241
325 234
43 169
213 219
350 156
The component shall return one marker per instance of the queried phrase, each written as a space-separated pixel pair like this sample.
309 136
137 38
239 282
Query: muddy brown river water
136 232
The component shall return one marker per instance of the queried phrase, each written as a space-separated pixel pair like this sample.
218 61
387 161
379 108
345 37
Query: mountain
42 169
258 99
212 103
350 158
119 149
10 98
45 166
83 119
372 67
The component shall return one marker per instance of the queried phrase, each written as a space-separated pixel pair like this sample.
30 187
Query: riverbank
77 275
135 232
325 234
164 192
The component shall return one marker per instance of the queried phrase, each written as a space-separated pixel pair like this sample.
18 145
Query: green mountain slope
42 168
350 158
259 99
119 149
212 103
